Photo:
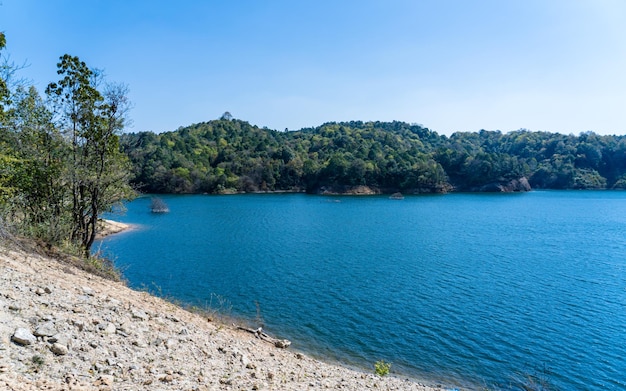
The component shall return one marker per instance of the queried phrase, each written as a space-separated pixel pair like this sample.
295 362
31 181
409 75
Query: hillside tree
97 172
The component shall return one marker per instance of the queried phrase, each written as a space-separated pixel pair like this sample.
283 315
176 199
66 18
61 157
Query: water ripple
466 289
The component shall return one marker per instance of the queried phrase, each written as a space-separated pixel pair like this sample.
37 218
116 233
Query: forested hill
229 155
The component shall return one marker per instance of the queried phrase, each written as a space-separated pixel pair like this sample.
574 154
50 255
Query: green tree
4 89
97 171
39 178
7 158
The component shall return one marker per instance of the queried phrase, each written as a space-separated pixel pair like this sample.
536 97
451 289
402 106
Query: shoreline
110 227
86 332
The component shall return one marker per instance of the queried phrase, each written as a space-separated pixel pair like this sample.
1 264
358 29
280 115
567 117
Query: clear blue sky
450 65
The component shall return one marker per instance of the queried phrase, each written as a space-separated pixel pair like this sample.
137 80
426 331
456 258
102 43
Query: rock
60 338
78 309
59 349
113 302
138 314
47 290
226 381
45 330
88 291
247 363
349 190
140 343
23 336
104 380
514 185
107 328
79 324
47 317
126 327
282 343
244 360
170 343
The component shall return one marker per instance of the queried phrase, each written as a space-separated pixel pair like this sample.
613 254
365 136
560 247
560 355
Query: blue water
464 289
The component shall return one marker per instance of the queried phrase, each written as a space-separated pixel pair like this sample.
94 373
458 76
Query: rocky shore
64 329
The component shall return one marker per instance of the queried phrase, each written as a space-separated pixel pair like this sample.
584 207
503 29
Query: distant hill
230 155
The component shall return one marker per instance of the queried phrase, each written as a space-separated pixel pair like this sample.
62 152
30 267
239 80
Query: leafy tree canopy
61 165
231 155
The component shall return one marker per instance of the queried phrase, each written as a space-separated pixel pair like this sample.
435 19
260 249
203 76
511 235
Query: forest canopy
231 155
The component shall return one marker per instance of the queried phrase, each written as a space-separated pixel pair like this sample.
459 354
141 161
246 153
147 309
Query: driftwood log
279 343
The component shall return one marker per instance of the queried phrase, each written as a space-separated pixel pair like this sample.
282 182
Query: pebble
113 302
104 380
107 328
137 314
58 349
23 336
170 343
45 330
140 343
79 324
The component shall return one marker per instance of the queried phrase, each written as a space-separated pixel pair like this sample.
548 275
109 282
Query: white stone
45 330
59 349
170 343
108 328
138 314
23 336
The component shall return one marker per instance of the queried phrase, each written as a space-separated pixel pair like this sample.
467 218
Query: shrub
381 368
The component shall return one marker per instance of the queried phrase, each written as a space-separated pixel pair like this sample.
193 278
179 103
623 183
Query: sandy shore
110 227
62 328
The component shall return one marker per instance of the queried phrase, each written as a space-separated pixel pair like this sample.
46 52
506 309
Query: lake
468 290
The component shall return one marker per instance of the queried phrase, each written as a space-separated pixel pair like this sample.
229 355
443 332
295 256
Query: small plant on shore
37 361
381 368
